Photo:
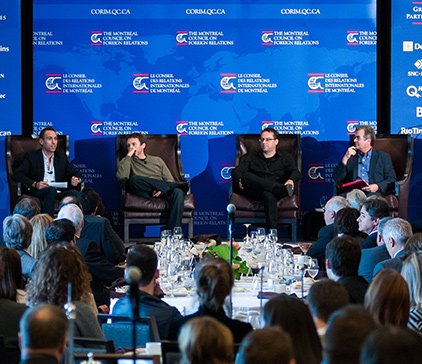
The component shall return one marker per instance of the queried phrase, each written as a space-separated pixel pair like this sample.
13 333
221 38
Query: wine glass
260 234
274 235
247 230
313 268
165 234
178 232
304 247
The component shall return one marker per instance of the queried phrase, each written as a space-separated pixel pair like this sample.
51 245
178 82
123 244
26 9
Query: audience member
204 340
11 283
388 298
345 223
413 244
60 230
43 335
104 273
214 282
373 209
355 198
99 229
343 257
412 274
17 234
38 244
372 256
59 265
325 296
145 259
392 345
266 346
28 207
395 234
326 233
293 316
346 333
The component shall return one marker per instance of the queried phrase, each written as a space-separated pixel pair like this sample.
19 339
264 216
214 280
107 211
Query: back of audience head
90 200
387 298
347 330
266 346
28 207
414 244
60 230
380 232
204 340
395 234
39 224
293 316
342 257
346 223
145 259
58 265
356 198
10 273
73 213
412 273
326 296
214 282
43 330
333 205
17 232
70 197
392 345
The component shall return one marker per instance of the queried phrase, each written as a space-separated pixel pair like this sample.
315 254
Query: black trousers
265 190
174 196
48 197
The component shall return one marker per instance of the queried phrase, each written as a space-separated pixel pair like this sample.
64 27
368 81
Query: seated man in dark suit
372 256
373 209
363 162
99 228
148 176
43 335
145 259
266 175
326 233
103 272
342 262
41 168
396 232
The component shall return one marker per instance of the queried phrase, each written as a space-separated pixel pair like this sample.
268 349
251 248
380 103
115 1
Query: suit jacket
381 171
370 241
392 263
317 250
356 287
32 169
370 258
103 272
99 229
11 313
28 263
39 359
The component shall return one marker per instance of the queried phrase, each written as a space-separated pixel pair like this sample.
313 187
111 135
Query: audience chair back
16 148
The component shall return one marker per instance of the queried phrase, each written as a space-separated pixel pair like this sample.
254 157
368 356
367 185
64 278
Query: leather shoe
183 185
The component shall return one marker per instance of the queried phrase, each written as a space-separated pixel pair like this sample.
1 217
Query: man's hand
74 181
40 185
156 194
241 185
371 188
350 152
290 182
130 150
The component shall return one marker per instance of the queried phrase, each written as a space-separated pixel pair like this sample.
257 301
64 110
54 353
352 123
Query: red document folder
359 183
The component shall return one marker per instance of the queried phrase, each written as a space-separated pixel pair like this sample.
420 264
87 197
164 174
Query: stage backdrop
207 70
10 87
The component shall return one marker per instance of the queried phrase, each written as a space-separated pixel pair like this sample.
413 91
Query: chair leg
126 231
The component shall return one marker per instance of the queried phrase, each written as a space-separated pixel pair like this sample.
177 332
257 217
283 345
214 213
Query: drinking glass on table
178 232
313 268
260 234
164 236
304 247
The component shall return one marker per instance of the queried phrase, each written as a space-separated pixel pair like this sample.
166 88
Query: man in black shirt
266 175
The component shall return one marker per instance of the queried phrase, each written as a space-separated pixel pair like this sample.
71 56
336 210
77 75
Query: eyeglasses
261 140
357 137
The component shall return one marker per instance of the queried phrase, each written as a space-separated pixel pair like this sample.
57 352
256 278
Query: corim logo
351 126
226 172
267 124
315 172
181 38
315 82
96 128
140 83
352 37
181 127
96 38
266 37
227 82
53 83
413 91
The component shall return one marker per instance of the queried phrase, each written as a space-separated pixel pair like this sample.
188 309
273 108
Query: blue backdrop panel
10 86
207 71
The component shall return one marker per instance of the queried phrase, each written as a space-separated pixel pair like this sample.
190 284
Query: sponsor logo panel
154 83
301 127
202 38
333 83
202 127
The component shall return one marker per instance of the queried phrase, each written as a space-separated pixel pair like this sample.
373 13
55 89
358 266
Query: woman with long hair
387 298
11 282
58 266
293 316
38 244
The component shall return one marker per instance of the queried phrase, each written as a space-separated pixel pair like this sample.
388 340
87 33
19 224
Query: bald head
73 213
